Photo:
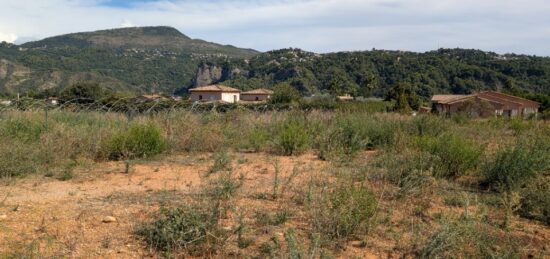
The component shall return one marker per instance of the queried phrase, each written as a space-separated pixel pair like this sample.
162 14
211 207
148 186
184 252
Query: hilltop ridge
163 60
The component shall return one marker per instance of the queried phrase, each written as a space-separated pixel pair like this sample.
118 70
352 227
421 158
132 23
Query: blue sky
502 26
124 4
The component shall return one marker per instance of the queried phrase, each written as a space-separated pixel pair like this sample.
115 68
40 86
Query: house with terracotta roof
215 93
257 95
346 97
485 104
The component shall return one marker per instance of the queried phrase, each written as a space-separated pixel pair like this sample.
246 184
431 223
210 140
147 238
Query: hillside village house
258 95
346 97
215 93
485 104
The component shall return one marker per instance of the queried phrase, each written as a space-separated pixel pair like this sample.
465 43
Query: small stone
109 219
3 216
359 244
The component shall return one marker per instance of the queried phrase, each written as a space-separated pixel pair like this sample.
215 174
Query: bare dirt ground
64 218
48 217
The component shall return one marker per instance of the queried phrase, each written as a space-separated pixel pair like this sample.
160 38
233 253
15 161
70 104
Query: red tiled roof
215 88
449 98
509 98
260 91
491 96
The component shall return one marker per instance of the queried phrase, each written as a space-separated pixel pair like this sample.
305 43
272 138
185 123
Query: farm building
215 93
485 104
258 95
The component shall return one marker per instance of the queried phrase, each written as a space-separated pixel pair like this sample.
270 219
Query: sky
502 26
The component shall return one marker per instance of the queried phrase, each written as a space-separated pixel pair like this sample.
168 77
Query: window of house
257 98
200 97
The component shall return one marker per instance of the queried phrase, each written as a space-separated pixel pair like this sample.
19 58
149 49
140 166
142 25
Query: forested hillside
374 72
163 60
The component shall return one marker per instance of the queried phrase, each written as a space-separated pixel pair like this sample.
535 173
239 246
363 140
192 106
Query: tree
285 93
83 92
340 84
405 99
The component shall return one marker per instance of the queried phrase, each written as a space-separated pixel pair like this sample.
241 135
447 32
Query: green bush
535 203
24 130
428 125
257 139
466 238
380 133
284 93
184 228
344 212
345 139
292 138
455 155
194 227
137 141
511 170
513 167
16 160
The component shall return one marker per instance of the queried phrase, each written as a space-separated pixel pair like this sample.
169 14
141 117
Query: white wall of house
254 97
215 96
231 97
206 96
529 111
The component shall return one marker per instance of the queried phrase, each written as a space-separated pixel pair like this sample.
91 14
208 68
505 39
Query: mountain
163 60
142 38
141 59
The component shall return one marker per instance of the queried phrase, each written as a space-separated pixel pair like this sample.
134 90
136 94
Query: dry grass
387 202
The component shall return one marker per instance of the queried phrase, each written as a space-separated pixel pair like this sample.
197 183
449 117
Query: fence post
46 116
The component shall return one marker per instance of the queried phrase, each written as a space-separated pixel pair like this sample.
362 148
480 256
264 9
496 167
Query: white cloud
127 23
317 25
8 37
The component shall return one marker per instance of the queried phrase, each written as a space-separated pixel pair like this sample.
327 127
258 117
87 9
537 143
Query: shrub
284 93
292 138
138 141
257 139
455 156
466 238
343 212
511 170
184 228
535 203
222 162
519 125
428 125
296 247
346 138
409 169
278 218
24 130
224 187
16 160
514 166
193 227
380 133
